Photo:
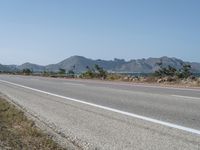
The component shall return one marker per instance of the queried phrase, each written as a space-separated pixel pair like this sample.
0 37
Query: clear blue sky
47 31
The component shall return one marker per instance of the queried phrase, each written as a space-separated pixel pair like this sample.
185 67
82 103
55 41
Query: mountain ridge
80 64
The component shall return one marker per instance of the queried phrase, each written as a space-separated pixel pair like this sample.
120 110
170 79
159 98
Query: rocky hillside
8 68
79 64
33 67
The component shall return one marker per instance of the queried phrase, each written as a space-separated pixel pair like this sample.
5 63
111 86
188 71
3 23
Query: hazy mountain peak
79 64
33 67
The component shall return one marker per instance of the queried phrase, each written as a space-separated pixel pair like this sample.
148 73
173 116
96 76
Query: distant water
196 74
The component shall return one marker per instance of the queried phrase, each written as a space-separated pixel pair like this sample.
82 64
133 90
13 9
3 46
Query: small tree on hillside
26 71
71 73
62 71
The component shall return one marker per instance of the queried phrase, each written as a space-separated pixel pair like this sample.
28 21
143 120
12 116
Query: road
111 115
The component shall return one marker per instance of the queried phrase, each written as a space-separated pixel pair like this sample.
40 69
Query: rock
142 79
134 79
126 78
169 79
159 80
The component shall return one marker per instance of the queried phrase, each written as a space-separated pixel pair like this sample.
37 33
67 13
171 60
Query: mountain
4 68
33 67
79 64
195 67
8 68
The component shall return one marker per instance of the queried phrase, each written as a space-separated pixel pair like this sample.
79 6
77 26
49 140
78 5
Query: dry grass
19 133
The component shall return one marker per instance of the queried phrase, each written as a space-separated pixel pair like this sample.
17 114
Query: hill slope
79 64
33 67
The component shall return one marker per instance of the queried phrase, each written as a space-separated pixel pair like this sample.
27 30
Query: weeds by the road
17 132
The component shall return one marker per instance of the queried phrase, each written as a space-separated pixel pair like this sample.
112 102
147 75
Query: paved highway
111 115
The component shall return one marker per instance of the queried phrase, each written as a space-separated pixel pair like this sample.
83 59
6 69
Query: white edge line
188 97
191 130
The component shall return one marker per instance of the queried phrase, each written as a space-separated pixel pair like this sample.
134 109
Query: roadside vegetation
19 133
94 72
183 73
163 75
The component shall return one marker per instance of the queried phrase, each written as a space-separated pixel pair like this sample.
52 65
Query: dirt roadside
20 130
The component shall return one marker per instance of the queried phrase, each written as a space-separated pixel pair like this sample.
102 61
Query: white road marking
34 79
188 97
168 124
73 84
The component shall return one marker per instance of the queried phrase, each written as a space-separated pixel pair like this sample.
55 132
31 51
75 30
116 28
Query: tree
45 73
185 72
71 73
170 71
87 68
62 71
89 73
96 72
73 67
26 71
101 72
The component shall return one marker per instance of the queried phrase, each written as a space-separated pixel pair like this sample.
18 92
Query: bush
71 74
26 71
170 71
62 71
96 72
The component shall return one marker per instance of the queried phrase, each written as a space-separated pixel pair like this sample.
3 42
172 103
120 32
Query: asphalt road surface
111 115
